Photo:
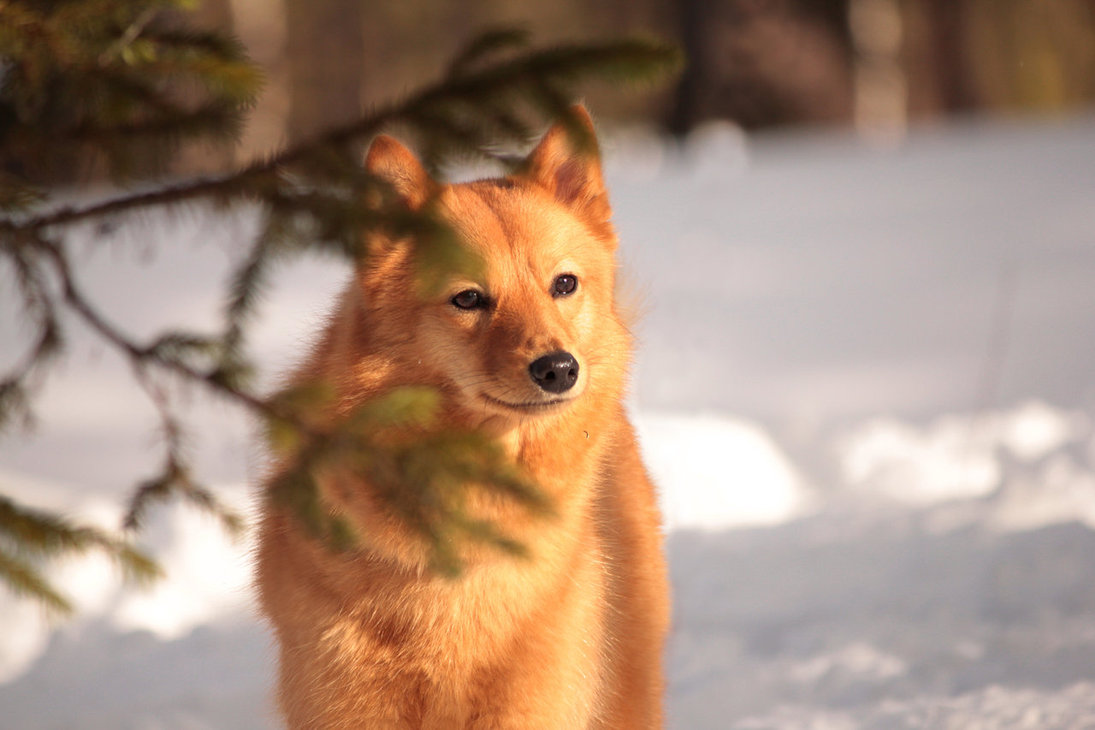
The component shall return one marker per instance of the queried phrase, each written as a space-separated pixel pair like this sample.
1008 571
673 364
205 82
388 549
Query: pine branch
80 76
37 307
117 49
426 479
25 580
17 194
484 89
487 44
28 535
174 480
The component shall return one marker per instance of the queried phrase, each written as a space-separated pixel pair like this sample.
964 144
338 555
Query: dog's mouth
541 406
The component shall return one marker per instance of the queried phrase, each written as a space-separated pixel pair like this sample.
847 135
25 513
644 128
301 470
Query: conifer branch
174 479
541 71
115 50
27 535
26 580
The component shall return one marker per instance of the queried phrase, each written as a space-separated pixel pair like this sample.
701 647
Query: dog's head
536 329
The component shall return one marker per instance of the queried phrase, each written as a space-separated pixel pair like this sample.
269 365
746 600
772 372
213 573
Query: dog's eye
564 284
469 299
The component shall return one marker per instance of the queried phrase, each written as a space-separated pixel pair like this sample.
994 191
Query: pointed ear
567 163
395 164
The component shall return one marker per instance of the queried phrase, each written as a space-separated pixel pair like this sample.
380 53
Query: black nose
556 372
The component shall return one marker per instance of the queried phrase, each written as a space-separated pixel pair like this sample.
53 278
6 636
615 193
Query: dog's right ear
408 187
396 165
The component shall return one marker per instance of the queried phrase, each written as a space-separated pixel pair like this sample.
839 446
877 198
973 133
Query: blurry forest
877 65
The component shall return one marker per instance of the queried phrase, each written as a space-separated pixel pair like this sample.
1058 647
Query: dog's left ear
567 163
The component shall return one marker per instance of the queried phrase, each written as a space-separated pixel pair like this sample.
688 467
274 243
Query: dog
534 352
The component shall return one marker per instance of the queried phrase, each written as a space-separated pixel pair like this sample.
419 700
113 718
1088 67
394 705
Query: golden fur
571 638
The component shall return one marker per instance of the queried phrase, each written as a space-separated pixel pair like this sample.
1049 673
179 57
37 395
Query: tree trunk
684 111
325 48
948 28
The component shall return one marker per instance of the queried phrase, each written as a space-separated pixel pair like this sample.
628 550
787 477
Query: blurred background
863 236
875 66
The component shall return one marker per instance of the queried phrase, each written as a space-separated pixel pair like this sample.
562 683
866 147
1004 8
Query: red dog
535 352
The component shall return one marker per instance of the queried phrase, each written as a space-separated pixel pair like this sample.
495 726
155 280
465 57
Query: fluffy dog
534 352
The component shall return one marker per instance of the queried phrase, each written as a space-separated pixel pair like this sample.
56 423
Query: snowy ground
866 386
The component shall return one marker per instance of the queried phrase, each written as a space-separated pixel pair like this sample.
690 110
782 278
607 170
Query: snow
866 388
755 485
956 455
